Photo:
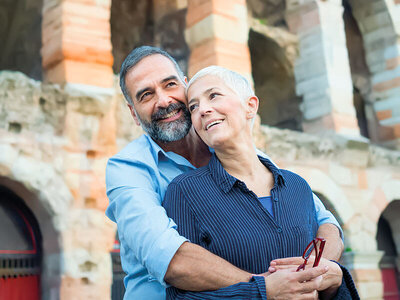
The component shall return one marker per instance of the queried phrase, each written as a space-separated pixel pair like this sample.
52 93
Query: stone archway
323 184
20 249
388 241
45 194
377 23
359 71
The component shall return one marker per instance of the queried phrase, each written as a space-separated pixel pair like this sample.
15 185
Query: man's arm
190 267
334 245
330 230
196 269
285 284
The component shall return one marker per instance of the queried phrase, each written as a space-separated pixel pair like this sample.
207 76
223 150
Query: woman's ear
252 106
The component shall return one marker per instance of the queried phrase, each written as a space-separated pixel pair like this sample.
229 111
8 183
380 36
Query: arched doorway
20 249
388 230
359 69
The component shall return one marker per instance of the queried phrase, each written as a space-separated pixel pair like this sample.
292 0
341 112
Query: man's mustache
162 112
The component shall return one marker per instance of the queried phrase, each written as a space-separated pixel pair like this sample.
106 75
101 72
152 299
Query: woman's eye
213 95
192 107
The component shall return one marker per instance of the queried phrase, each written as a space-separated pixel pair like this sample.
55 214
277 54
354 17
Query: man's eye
171 83
145 95
192 107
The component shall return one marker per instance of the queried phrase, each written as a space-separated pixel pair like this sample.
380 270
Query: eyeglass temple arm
319 254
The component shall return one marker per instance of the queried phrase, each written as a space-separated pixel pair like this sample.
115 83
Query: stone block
99 3
384 114
81 73
343 175
87 10
376 21
309 67
316 108
74 161
367 275
220 52
386 75
8 155
362 180
387 85
346 124
370 290
356 153
392 63
217 26
396 129
84 223
313 84
197 11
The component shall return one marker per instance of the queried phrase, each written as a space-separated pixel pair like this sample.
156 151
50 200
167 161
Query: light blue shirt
137 179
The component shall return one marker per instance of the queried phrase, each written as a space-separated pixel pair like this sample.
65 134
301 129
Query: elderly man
152 251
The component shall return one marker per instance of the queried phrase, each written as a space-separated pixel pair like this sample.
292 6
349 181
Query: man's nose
163 99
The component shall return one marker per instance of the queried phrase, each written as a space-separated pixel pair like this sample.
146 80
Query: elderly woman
240 206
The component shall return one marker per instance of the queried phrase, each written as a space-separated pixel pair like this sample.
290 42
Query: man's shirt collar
225 181
160 155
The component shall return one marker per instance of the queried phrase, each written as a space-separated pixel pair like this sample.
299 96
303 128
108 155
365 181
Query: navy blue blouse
218 212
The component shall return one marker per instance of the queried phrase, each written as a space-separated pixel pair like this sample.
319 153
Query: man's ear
252 106
133 113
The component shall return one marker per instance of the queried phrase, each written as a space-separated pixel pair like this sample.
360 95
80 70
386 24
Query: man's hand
331 280
288 284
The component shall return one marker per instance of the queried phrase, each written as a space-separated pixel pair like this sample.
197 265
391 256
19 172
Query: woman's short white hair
236 82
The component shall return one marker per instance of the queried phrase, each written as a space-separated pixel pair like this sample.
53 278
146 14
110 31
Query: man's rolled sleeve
325 216
254 289
143 225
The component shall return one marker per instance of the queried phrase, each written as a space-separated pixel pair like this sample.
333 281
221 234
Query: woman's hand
289 284
331 280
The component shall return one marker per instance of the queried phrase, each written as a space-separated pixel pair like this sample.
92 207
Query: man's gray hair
134 58
236 82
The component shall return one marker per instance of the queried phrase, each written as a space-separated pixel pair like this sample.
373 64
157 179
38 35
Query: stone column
364 267
322 71
76 42
379 23
217 33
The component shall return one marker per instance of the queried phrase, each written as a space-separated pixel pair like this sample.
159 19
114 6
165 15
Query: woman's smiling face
218 114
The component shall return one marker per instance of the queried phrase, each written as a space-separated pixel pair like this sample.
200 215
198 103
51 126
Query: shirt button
279 229
275 199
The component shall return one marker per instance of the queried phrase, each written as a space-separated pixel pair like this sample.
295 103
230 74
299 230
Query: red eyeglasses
316 244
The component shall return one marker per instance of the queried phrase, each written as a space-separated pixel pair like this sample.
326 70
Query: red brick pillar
76 42
217 33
